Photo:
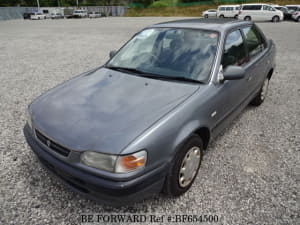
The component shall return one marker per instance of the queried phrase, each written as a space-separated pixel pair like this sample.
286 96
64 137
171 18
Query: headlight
113 163
98 160
29 121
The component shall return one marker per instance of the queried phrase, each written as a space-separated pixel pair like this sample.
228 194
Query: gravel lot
250 175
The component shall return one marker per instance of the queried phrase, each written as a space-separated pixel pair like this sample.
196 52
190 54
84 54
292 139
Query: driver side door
230 95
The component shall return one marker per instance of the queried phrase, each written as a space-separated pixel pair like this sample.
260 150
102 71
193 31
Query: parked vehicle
79 13
231 11
296 15
292 8
260 12
139 124
68 13
284 10
38 16
209 13
57 16
27 15
94 15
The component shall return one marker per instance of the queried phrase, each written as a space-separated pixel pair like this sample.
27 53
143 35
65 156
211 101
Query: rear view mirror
234 73
112 53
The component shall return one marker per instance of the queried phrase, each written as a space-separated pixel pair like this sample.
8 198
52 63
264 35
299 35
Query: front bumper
97 188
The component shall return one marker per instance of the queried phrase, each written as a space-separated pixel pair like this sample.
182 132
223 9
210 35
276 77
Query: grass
189 11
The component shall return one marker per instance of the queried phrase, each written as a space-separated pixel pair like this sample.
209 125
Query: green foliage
188 1
144 2
159 4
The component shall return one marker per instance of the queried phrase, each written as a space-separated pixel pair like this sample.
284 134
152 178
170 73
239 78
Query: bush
144 2
159 4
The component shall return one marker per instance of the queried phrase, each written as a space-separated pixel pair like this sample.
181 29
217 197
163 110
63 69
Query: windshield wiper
177 78
125 69
184 79
153 75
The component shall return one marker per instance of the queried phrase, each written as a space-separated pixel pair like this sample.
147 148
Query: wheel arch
270 73
204 133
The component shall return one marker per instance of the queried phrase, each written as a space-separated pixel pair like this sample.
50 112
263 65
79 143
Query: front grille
52 145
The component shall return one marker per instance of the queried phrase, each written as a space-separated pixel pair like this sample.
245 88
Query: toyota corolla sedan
138 125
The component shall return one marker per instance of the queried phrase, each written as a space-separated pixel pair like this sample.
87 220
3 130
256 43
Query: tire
275 19
205 16
221 16
261 96
247 18
298 19
187 159
236 17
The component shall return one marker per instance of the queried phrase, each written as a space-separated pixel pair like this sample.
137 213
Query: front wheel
184 167
205 16
260 97
221 16
298 19
275 19
247 18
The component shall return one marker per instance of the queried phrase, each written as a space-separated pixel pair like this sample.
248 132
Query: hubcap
264 89
189 166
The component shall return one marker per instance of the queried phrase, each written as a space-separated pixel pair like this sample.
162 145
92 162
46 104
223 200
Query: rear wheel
184 167
275 19
260 97
235 17
247 18
298 19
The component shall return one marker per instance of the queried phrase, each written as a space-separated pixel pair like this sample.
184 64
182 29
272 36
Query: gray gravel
250 175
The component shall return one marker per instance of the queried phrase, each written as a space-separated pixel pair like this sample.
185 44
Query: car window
222 8
254 41
252 7
170 52
292 8
266 7
234 50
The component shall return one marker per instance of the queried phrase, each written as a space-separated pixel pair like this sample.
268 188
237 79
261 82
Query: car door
258 12
267 13
230 94
256 48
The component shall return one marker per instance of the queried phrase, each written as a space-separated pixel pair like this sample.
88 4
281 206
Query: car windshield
169 53
292 8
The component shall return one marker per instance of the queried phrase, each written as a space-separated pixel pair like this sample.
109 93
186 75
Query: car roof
257 4
228 5
206 24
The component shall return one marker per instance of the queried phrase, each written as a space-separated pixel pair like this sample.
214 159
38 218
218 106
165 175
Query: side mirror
234 73
112 53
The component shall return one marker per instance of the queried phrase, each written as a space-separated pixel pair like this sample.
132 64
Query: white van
228 11
260 12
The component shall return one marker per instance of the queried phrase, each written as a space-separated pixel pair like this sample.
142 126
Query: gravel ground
250 175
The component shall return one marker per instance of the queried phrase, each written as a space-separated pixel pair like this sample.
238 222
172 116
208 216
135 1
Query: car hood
105 110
